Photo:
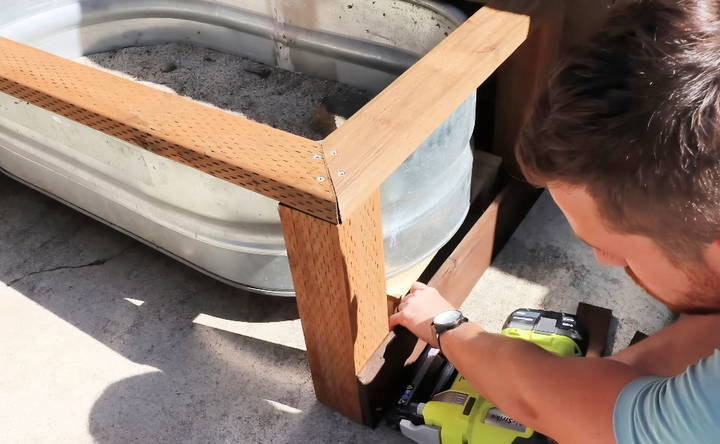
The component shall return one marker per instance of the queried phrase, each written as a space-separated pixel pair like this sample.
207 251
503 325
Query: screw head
316 156
320 179
333 153
341 173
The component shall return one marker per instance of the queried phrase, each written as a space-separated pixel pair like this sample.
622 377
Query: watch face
447 318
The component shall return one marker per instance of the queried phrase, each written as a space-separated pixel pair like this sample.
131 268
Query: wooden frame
328 192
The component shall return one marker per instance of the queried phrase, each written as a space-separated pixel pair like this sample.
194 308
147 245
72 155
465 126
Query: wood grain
279 165
523 77
339 278
586 17
388 367
597 321
473 255
376 140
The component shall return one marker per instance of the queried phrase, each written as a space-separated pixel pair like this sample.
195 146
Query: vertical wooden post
585 17
523 77
339 277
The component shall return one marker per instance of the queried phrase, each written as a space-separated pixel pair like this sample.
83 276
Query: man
627 141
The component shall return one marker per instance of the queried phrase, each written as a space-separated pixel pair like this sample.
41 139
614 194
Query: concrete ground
105 340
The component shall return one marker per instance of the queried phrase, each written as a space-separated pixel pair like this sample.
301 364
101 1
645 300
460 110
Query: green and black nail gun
440 407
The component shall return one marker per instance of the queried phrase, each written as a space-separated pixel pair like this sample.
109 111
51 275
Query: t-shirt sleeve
683 409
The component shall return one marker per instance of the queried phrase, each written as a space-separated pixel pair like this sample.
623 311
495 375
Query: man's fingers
418 286
394 320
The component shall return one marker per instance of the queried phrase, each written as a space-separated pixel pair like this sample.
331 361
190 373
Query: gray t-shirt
684 409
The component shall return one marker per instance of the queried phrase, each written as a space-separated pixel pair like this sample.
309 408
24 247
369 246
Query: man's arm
670 351
568 399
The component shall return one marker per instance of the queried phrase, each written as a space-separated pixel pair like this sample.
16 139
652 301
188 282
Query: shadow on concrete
212 385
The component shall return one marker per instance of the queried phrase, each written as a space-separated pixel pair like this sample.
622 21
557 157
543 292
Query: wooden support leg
523 77
339 277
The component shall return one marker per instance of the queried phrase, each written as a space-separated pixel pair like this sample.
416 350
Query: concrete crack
94 263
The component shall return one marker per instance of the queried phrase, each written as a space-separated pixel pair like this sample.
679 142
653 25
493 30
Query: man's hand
522 379
417 310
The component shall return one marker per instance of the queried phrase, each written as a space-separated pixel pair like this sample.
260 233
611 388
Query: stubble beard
703 297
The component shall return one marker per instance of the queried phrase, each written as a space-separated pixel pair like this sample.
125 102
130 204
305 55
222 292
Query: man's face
687 288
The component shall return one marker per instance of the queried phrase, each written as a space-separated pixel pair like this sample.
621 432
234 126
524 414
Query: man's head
627 139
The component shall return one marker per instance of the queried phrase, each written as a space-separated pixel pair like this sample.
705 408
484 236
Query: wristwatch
447 320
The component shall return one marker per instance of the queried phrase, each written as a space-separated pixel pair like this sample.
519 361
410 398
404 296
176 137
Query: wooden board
586 17
279 165
597 321
375 141
388 368
339 277
463 267
522 78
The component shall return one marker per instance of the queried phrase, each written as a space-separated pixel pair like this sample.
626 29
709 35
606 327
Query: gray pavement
105 340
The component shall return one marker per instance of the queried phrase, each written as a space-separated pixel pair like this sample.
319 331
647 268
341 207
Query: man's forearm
670 351
561 397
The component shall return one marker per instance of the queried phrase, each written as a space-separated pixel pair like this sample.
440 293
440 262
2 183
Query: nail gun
440 407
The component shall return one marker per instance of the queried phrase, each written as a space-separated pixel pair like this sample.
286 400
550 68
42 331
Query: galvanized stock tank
227 232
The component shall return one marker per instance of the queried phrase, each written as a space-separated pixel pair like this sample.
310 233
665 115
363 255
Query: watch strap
440 330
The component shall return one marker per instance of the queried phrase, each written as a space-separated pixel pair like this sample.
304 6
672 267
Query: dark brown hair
634 117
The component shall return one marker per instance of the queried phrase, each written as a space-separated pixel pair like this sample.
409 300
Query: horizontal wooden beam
277 164
376 140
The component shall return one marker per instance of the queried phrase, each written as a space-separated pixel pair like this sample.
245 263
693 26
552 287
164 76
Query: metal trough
226 231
